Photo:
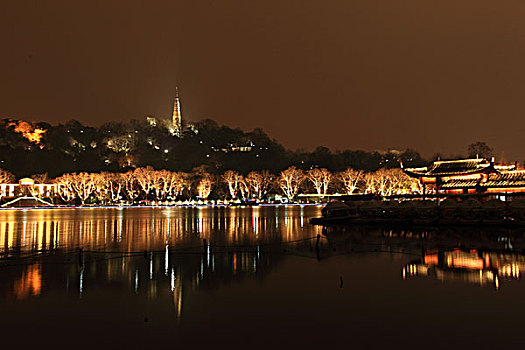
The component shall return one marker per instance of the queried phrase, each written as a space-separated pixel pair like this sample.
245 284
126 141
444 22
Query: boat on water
423 212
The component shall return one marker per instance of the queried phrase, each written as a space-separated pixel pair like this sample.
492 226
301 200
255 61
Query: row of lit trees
384 182
160 185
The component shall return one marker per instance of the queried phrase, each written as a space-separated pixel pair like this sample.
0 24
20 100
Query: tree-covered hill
33 148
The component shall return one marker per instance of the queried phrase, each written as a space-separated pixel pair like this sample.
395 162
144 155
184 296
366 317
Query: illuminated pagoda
177 115
465 176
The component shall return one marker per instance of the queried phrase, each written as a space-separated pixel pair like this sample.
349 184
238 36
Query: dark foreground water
253 278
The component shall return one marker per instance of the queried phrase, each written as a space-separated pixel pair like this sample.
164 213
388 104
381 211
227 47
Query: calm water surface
253 277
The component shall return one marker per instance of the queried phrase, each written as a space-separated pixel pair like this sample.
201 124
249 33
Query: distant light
166 151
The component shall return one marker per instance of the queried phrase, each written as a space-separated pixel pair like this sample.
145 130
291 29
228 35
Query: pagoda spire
177 115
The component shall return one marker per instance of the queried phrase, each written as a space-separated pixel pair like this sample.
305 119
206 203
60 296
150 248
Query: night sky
430 75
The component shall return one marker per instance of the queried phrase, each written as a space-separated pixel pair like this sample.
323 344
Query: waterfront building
28 187
466 176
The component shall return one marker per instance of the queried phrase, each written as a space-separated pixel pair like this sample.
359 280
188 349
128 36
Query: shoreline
198 206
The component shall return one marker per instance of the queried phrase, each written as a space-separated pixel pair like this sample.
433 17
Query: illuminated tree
65 187
401 183
122 143
320 178
386 182
101 186
290 181
232 179
156 181
350 179
369 182
382 182
6 177
108 186
244 188
173 183
143 178
205 186
31 133
115 185
38 179
131 188
259 183
83 184
166 183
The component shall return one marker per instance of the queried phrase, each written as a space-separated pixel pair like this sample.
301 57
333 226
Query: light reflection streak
81 281
151 267
136 281
166 262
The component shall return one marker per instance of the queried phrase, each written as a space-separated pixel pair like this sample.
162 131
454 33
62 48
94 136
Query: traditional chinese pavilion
469 176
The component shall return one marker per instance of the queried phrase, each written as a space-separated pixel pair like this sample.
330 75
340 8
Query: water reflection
146 277
152 253
475 255
469 266
168 254
38 231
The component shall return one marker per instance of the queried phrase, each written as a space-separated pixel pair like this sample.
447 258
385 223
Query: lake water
253 278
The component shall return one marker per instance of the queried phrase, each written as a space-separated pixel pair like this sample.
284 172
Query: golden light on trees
259 183
6 177
232 178
83 184
320 179
205 186
350 179
386 182
65 187
155 186
244 188
130 185
290 181
143 178
31 133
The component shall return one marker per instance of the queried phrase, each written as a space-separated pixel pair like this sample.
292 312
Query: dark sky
430 75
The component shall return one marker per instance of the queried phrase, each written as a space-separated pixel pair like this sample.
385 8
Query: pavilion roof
453 168
504 179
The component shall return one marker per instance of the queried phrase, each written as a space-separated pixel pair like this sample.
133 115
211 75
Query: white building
28 187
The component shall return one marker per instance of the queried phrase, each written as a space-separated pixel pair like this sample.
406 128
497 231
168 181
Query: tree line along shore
150 186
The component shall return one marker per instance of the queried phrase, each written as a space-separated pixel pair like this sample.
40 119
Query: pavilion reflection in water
484 256
470 266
